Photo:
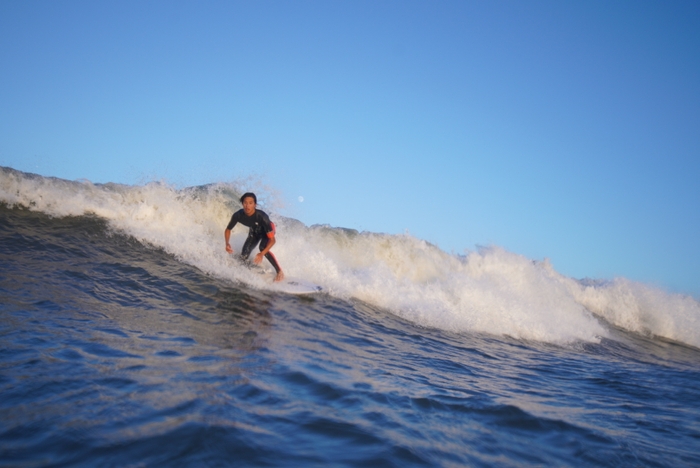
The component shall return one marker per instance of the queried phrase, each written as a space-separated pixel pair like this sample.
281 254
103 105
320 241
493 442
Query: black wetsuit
261 229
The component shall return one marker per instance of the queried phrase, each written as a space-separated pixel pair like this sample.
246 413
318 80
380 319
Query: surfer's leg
248 246
270 256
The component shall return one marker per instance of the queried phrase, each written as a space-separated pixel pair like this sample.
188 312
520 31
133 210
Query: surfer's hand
228 248
258 259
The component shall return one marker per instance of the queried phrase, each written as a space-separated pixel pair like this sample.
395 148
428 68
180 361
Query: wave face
129 338
490 290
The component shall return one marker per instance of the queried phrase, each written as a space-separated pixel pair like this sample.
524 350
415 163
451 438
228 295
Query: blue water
118 350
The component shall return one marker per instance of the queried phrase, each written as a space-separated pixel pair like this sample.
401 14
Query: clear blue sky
560 129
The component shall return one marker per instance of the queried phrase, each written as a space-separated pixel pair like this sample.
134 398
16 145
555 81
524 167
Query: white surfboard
290 285
296 286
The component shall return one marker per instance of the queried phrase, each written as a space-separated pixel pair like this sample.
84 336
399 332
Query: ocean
128 337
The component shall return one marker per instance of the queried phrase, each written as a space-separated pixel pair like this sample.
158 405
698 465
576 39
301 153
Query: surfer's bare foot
279 277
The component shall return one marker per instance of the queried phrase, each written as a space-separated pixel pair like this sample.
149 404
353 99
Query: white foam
643 309
490 290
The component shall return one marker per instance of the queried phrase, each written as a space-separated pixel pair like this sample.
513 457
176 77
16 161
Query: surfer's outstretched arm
259 256
227 236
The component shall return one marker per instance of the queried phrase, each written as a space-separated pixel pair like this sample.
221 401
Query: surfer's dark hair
249 194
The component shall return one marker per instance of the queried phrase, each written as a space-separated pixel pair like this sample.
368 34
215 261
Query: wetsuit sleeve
268 225
233 222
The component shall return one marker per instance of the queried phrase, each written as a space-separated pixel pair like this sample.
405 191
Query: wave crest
489 290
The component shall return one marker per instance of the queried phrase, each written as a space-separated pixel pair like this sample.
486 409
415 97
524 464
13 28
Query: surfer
261 229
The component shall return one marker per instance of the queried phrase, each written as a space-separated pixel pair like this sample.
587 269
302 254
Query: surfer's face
248 206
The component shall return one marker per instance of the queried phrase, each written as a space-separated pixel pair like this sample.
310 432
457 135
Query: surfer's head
249 200
251 195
